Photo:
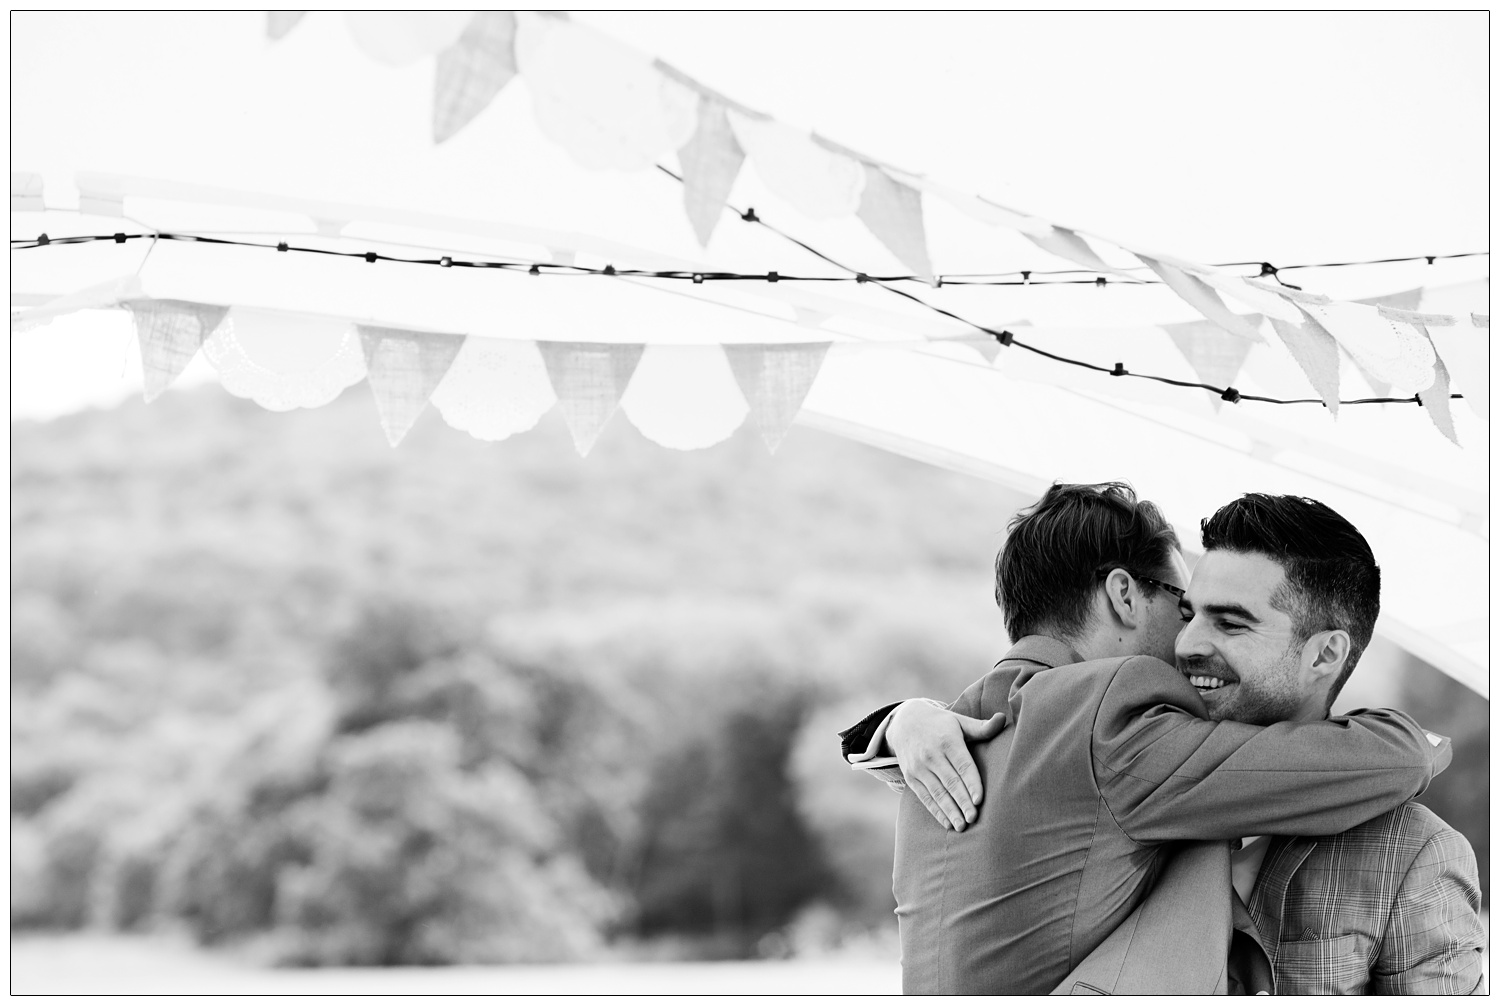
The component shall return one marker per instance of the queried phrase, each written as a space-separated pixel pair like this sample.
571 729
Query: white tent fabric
896 375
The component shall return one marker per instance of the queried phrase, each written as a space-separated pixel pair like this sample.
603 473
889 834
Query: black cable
1005 338
1008 339
698 276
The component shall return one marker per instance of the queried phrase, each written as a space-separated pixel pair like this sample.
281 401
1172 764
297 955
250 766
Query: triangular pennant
1202 298
893 213
710 162
1464 349
775 379
279 22
988 346
1406 300
170 333
405 367
1436 402
471 71
1379 387
1215 355
589 378
401 37
986 341
1067 244
1317 353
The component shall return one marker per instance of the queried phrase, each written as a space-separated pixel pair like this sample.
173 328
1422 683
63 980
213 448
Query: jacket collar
1040 650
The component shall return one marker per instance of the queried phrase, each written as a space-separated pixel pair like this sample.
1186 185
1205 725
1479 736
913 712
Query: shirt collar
1044 650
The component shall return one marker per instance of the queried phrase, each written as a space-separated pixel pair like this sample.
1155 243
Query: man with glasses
1107 759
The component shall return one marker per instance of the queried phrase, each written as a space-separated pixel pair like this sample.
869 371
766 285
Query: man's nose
1192 641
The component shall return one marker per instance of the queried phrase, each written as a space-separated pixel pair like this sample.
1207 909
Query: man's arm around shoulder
1166 772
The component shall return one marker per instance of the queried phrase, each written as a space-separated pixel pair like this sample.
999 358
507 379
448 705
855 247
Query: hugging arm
1166 774
922 745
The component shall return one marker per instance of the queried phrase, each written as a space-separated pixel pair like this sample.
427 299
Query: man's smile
1205 682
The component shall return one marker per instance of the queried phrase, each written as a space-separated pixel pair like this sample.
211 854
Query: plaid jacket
1389 907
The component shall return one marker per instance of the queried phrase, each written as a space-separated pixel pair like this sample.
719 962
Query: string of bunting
1002 336
702 275
1006 338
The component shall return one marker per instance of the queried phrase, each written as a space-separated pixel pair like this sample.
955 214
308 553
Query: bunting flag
26 192
1405 300
1215 355
684 397
775 380
405 367
1067 244
279 22
472 71
1317 353
1381 389
1464 346
1202 297
400 38
893 213
1267 302
1397 355
496 387
607 105
588 379
1408 325
285 361
170 334
817 181
1437 404
710 163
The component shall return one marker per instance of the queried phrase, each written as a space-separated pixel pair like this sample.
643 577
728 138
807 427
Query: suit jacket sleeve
856 739
1167 773
1434 942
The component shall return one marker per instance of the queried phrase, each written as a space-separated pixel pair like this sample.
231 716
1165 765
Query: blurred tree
724 851
391 638
412 861
852 815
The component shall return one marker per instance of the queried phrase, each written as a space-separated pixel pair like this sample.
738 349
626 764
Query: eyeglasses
1176 592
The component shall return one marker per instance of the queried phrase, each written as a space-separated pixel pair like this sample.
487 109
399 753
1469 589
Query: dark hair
1048 569
1331 581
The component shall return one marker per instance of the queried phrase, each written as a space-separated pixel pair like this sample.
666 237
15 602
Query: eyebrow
1232 610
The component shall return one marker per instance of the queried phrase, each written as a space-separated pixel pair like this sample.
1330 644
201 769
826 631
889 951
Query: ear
1124 599
1324 655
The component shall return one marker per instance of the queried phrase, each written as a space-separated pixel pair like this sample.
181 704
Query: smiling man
1106 757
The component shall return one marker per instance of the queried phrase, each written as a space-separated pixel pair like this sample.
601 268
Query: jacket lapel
1268 898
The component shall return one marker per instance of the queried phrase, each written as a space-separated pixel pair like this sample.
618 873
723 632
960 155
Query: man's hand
931 746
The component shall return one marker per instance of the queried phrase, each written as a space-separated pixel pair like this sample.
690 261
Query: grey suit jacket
1102 767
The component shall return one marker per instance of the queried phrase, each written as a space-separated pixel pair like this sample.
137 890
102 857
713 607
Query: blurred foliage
278 684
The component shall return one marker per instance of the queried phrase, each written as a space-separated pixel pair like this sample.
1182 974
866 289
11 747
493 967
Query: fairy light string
1027 277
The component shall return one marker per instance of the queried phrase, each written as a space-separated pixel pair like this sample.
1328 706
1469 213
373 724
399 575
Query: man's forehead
1243 578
